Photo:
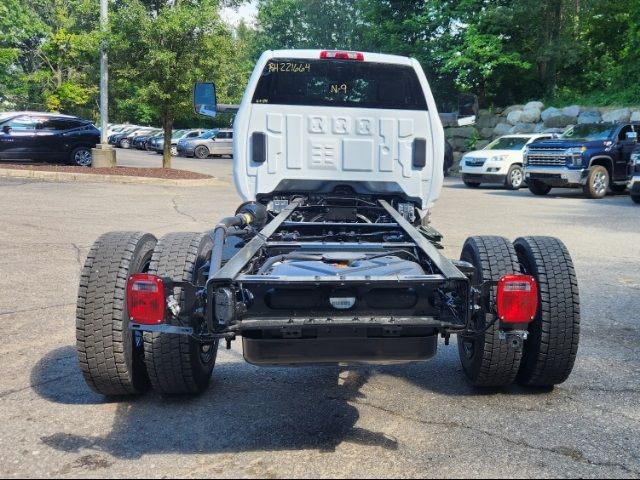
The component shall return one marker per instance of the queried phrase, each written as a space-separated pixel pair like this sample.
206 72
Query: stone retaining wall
534 117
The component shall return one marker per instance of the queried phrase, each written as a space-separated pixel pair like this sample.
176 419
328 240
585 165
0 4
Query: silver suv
213 142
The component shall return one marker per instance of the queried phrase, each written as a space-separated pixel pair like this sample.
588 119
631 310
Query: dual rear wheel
118 361
548 354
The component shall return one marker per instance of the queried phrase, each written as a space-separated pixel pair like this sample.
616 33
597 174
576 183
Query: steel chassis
289 320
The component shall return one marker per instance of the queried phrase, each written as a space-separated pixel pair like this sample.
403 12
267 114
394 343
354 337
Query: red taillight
145 299
517 299
339 55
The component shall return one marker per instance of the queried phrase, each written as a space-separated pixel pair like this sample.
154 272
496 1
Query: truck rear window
339 83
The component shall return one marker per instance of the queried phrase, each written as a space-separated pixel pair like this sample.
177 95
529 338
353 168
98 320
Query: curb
68 177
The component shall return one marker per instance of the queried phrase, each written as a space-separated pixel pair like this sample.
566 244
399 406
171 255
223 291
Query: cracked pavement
417 420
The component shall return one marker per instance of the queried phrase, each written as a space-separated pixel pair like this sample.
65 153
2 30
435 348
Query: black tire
550 351
597 183
515 178
178 364
635 198
487 360
538 188
201 152
471 184
110 354
81 156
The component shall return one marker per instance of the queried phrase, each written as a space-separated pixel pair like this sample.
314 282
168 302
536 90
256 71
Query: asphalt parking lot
419 420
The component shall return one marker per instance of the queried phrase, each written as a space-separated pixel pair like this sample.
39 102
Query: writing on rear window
339 83
288 67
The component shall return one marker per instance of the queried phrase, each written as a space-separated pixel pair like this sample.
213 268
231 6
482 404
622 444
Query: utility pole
103 154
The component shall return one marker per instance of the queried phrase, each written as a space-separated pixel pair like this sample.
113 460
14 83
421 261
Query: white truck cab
314 120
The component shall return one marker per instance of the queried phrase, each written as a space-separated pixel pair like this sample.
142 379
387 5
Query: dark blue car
47 137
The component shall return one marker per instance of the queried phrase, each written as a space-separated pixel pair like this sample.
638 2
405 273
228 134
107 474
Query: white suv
498 162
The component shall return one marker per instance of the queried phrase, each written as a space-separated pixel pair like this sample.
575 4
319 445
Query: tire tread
551 349
500 361
100 326
169 357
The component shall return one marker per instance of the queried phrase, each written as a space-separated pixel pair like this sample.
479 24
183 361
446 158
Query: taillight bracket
161 328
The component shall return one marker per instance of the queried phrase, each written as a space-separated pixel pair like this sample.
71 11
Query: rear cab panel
339 133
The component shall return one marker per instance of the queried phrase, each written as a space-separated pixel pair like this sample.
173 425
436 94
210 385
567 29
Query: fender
609 165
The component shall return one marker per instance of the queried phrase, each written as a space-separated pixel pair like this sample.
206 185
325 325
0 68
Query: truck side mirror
6 129
205 102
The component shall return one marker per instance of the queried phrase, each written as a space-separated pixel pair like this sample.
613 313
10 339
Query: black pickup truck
593 157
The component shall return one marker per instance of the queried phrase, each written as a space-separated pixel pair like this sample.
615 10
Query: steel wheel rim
83 158
201 152
516 177
600 183
174 150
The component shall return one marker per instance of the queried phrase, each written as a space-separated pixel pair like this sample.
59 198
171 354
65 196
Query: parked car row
38 136
199 143
157 143
595 157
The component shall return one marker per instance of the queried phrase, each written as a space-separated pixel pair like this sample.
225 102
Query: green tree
330 24
479 60
421 29
159 49
50 47
18 29
610 32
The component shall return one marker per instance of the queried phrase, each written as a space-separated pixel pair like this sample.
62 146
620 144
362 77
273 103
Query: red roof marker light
341 55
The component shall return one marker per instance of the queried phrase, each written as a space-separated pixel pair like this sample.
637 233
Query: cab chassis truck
331 258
